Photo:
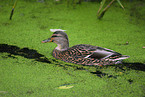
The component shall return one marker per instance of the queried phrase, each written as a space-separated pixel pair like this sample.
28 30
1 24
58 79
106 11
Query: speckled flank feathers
77 54
83 53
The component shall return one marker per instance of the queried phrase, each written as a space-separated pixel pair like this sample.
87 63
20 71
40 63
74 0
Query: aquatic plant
101 12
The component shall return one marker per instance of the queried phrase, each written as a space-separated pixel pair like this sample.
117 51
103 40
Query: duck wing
89 51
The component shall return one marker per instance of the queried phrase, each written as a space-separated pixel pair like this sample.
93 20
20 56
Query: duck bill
47 40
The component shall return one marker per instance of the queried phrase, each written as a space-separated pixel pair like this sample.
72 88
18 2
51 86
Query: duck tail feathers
121 58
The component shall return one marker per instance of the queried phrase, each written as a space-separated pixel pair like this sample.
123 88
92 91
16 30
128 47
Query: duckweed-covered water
27 68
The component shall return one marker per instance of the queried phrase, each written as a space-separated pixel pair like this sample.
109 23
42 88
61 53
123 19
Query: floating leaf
65 87
4 92
120 73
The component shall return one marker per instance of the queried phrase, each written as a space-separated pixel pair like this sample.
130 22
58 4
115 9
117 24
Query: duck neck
62 46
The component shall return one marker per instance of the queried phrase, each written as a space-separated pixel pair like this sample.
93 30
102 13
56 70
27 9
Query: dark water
25 52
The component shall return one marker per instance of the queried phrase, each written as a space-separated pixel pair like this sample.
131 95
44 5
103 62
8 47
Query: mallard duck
83 53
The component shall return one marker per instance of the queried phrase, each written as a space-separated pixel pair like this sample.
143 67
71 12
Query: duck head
60 38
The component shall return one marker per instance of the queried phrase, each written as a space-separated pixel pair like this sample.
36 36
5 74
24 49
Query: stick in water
13 10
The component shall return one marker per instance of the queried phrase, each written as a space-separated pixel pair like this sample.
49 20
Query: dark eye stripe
56 36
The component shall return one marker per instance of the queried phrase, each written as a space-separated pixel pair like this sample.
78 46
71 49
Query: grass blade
120 4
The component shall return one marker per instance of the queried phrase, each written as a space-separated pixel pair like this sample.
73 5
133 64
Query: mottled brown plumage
83 53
